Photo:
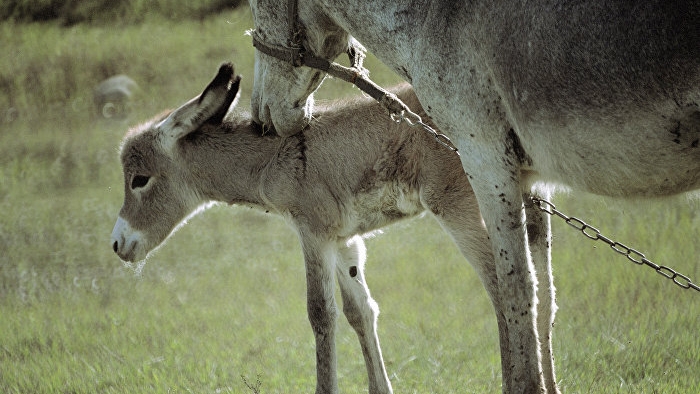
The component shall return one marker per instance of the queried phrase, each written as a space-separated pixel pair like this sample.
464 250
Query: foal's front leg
321 307
361 311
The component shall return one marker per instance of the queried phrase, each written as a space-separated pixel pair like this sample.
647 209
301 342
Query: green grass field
221 307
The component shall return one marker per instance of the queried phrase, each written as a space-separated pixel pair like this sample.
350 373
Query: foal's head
158 185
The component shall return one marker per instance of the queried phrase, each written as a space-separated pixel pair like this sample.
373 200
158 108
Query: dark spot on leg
353 271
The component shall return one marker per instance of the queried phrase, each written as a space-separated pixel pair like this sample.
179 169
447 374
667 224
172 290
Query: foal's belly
380 206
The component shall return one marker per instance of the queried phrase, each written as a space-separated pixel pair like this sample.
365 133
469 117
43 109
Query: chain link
632 255
413 120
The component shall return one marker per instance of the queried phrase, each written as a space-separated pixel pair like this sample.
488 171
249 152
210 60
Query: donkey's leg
498 191
539 234
319 256
362 311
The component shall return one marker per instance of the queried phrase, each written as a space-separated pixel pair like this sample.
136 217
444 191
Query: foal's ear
232 95
209 107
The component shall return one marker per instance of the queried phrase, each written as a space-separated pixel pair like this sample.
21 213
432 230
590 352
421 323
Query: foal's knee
361 315
358 305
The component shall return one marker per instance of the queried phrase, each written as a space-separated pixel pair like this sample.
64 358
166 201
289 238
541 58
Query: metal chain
633 255
413 119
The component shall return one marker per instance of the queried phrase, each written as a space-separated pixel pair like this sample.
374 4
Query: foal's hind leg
361 311
454 205
539 234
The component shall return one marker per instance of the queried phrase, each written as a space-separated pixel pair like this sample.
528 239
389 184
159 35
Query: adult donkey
600 96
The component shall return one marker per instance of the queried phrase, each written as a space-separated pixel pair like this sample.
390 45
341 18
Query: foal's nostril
115 246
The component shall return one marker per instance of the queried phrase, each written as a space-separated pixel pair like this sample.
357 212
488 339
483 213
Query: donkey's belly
644 155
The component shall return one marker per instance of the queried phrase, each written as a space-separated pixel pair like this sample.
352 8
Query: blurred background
221 307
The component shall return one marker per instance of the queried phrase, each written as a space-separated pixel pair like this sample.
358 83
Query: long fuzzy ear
231 100
209 107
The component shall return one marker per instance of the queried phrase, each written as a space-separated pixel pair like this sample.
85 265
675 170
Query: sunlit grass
225 297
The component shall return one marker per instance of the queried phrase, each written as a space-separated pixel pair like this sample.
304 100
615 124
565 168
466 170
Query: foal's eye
139 181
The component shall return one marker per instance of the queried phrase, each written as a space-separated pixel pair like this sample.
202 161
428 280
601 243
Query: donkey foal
352 171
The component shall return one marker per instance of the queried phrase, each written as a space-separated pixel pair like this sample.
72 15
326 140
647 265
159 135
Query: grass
221 308
72 12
